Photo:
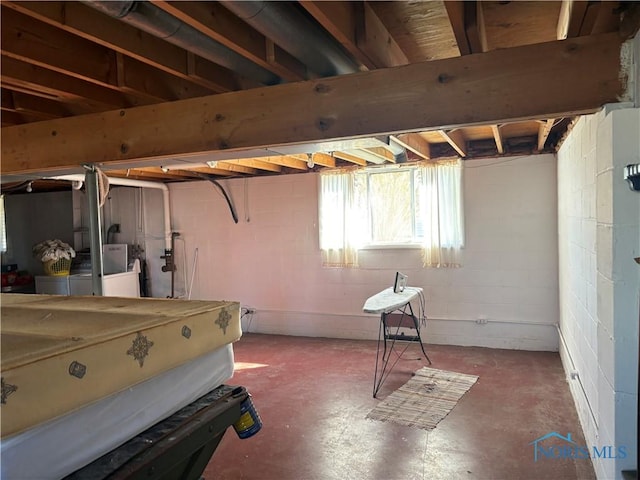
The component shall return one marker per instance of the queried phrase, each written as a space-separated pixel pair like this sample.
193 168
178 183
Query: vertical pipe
95 233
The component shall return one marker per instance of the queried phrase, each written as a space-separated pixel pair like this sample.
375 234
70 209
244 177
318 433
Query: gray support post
95 231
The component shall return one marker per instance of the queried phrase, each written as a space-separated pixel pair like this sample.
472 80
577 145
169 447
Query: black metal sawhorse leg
405 318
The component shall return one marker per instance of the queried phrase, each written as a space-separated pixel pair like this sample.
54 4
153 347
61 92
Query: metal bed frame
177 448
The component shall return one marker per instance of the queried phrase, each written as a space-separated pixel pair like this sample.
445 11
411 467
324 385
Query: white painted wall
270 259
599 235
32 218
140 213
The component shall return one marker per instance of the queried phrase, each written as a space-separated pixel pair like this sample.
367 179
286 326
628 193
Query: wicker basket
57 268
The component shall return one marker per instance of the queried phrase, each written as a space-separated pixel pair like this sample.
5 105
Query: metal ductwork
155 21
296 33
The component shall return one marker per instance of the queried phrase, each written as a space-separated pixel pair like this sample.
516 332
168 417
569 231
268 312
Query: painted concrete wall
599 235
32 218
270 260
140 214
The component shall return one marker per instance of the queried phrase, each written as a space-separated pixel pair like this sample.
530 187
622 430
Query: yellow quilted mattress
60 353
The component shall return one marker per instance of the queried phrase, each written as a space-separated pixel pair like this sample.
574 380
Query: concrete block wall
599 280
270 260
577 232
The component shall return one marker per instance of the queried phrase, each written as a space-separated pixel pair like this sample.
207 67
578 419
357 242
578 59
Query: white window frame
369 242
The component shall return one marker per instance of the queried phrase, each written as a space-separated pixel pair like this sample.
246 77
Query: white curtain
340 224
440 192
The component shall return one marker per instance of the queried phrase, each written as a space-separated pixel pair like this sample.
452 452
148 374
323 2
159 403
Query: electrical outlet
482 320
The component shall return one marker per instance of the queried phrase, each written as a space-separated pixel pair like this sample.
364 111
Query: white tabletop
387 300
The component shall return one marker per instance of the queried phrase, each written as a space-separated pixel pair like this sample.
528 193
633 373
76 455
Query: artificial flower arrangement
53 250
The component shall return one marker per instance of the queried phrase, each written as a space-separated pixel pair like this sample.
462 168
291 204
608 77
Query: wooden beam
17 118
467 22
173 173
46 83
210 170
497 136
319 158
256 163
456 140
374 40
339 19
350 158
572 14
231 167
360 31
142 174
543 132
474 26
133 175
218 23
381 153
140 77
90 24
476 89
595 11
35 42
44 45
287 161
415 143
455 12
23 102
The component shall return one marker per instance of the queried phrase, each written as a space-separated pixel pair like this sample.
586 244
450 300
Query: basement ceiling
67 59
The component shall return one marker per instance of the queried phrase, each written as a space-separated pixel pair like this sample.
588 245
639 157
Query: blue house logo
539 448
566 447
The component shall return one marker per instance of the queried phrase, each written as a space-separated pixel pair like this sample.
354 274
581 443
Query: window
390 203
419 204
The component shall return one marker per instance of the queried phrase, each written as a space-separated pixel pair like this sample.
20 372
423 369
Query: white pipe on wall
129 182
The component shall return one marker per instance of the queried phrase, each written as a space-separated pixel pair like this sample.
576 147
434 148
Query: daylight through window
417 205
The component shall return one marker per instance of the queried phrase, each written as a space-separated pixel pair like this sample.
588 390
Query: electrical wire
224 193
496 163
244 312
193 272
246 201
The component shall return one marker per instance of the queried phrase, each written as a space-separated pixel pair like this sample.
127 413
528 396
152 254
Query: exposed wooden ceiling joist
357 27
374 40
572 13
215 21
256 163
173 173
384 154
323 159
543 132
43 45
25 103
467 23
350 158
287 161
497 136
89 24
456 139
414 143
231 167
147 173
17 118
459 91
224 172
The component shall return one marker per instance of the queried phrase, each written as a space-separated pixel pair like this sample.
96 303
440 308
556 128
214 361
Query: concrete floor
313 395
